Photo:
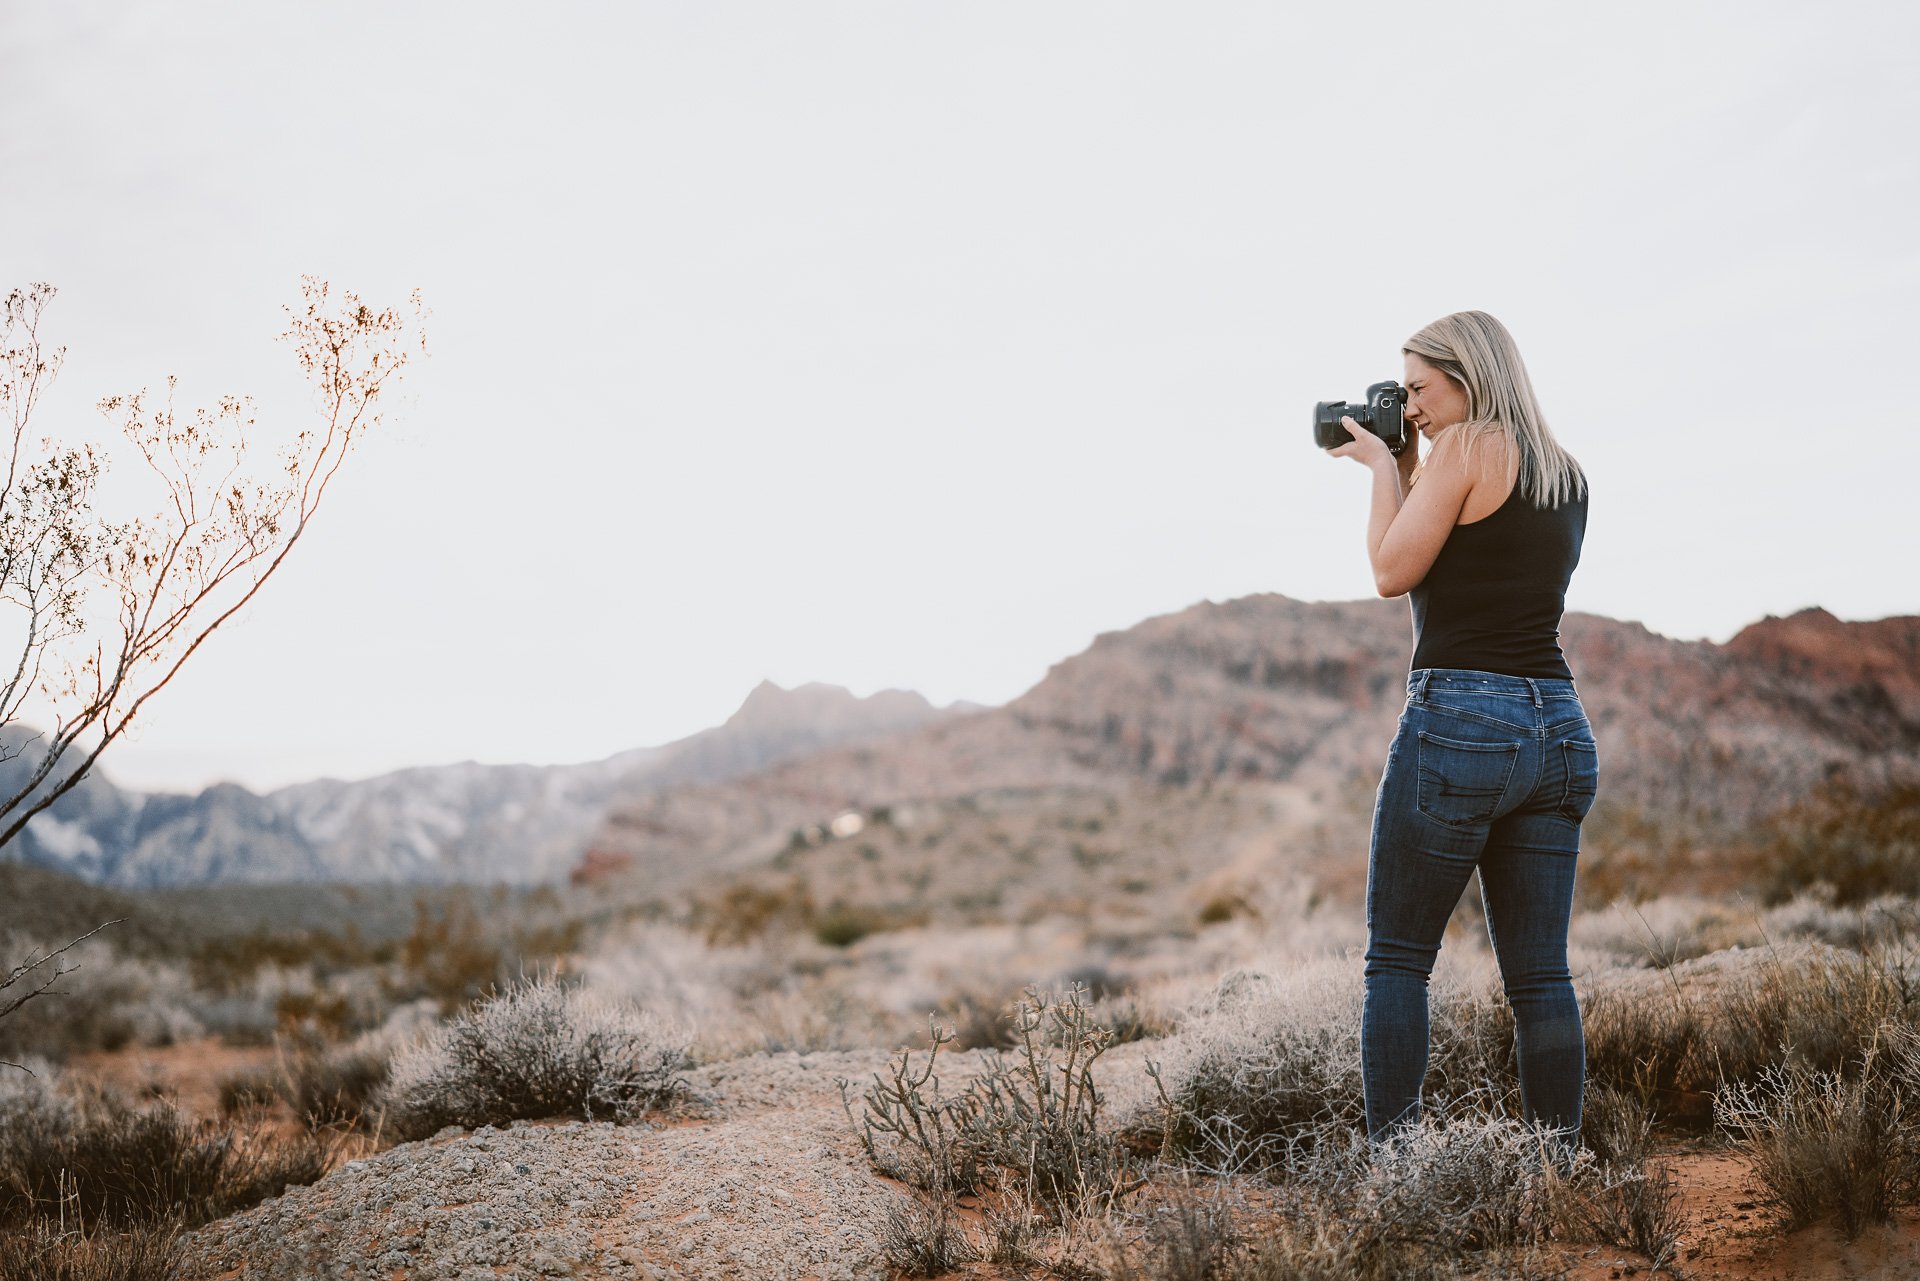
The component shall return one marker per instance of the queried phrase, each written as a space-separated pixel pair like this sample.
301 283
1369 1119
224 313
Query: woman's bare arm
1406 523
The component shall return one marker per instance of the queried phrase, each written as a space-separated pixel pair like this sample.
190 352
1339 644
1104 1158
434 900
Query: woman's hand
1365 447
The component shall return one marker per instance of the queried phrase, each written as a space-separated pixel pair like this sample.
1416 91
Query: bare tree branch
177 574
9 1004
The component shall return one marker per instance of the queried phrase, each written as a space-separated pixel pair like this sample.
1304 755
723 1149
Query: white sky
911 345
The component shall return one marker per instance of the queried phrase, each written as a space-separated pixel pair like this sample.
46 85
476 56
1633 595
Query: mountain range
1287 701
520 824
1282 710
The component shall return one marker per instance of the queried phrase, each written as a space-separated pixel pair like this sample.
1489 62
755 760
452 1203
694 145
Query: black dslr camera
1380 415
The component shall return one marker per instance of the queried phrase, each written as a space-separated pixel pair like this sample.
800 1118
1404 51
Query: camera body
1381 415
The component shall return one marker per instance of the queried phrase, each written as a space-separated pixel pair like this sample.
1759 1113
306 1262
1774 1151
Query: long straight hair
1478 353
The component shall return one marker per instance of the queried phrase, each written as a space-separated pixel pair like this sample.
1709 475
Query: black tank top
1493 599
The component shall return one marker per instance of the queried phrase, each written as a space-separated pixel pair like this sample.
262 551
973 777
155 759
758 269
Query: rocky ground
761 1176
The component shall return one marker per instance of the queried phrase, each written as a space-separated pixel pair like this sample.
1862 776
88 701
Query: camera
1381 415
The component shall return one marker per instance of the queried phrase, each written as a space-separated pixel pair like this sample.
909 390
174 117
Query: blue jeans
1495 771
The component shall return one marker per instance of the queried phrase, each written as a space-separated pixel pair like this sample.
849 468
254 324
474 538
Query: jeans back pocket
1583 778
1461 783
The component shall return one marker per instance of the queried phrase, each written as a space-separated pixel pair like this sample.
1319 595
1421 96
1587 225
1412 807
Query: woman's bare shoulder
1484 461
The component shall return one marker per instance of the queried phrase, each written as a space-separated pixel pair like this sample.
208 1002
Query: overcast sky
912 345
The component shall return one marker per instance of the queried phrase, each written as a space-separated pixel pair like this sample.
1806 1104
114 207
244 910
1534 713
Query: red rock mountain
1697 740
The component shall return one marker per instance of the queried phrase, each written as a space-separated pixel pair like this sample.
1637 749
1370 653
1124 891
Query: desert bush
1861 841
1266 1066
1820 1011
226 963
980 1019
843 924
1467 1195
1648 1042
1886 921
1032 1114
1130 1018
1036 1110
1185 1235
1824 1142
1263 1065
745 910
332 1085
1478 1182
1662 932
1729 1017
1471 1045
325 1085
911 1129
248 1090
111 1001
112 1165
452 955
536 1049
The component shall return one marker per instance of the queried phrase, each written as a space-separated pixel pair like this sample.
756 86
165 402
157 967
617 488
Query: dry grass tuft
1627 1199
48 1251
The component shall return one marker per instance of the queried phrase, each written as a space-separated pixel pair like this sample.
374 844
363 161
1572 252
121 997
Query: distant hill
1291 704
466 822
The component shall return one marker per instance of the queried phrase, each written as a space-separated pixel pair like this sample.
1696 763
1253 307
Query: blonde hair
1478 353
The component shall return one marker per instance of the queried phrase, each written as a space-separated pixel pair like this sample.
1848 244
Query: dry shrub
1832 1142
1474 1195
1036 1111
99 1160
1032 1115
1471 1053
325 1085
452 955
249 1090
535 1050
112 1001
980 1019
334 1085
1185 1236
1882 922
1664 931
1132 1018
1265 1067
1862 841
1458 1185
1729 1017
744 910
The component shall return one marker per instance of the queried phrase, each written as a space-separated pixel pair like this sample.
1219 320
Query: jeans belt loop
1426 674
1534 685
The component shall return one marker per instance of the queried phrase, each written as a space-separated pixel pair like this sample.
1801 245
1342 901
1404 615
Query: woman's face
1434 400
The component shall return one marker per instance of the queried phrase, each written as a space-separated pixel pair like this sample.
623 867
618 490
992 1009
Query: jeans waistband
1536 688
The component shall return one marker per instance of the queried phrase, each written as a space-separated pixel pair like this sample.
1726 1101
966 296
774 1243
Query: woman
1494 764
